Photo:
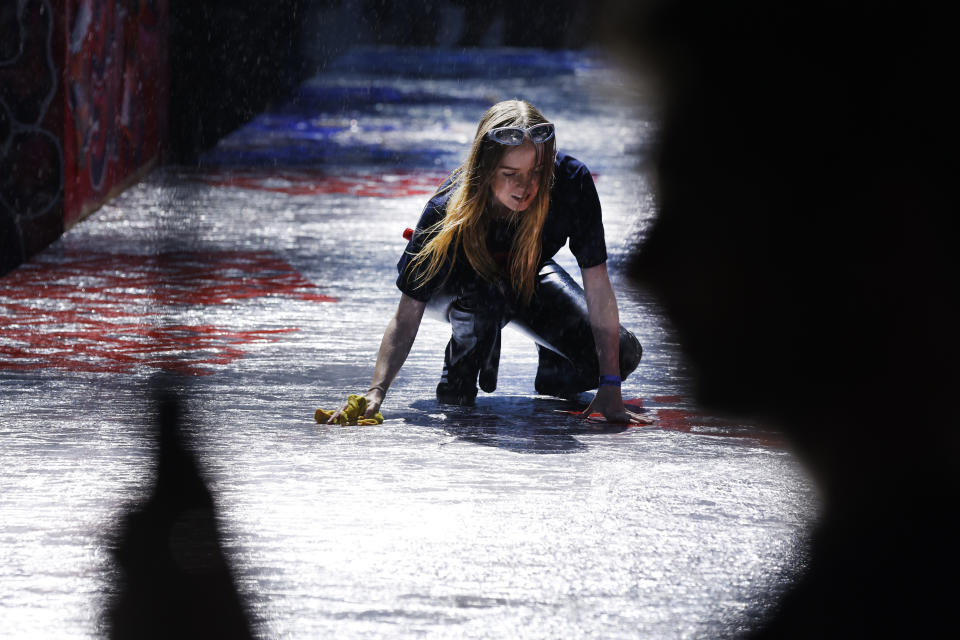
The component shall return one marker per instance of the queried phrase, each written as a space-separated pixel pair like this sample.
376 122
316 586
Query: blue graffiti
471 63
371 107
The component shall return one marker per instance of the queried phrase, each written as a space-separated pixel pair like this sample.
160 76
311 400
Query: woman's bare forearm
605 322
604 318
397 340
394 348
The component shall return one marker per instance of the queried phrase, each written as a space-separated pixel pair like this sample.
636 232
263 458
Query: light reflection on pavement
265 277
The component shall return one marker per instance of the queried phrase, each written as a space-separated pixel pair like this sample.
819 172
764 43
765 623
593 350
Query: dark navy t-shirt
574 214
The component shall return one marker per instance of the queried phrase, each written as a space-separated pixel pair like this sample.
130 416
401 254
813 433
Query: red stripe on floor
393 184
100 312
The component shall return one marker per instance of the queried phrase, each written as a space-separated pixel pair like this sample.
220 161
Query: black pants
556 319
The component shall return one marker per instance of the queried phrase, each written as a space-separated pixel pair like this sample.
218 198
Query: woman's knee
630 352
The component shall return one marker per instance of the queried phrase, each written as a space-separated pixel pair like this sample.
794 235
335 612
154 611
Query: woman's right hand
374 398
396 343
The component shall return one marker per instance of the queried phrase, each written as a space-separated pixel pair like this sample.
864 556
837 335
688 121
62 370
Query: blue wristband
611 381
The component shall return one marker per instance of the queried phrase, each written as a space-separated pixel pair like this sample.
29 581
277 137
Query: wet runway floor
264 280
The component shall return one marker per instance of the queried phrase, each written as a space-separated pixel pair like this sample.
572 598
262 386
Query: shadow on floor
521 424
174 579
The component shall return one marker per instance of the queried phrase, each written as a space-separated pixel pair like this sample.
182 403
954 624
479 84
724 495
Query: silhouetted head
806 172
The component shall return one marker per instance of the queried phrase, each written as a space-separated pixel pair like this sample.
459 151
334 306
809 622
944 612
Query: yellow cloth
352 414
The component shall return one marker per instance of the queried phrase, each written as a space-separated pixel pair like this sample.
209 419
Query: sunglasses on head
514 136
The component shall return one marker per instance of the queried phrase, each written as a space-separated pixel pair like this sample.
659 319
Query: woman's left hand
609 403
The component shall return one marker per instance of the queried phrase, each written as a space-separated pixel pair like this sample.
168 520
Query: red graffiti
115 85
695 422
100 312
665 399
393 184
675 419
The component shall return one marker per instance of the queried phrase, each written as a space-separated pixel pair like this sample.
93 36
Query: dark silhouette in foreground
805 249
175 581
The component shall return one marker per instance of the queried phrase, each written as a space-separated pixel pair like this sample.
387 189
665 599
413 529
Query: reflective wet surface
264 279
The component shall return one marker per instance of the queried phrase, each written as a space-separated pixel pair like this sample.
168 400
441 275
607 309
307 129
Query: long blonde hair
467 217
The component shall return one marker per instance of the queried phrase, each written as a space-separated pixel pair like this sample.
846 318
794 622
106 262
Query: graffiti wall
83 102
31 130
115 84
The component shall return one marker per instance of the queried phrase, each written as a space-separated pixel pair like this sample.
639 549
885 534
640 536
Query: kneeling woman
481 257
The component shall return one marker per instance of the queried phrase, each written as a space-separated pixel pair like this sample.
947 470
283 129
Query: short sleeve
407 276
587 242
